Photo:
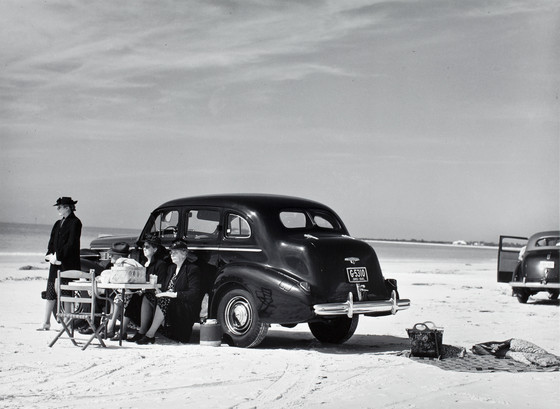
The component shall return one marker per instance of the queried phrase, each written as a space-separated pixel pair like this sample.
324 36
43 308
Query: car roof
246 201
531 244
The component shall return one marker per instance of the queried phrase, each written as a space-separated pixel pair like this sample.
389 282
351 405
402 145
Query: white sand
289 369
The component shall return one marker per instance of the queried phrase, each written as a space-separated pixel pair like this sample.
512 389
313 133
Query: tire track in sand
289 388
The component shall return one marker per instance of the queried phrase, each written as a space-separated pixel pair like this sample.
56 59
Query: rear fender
279 297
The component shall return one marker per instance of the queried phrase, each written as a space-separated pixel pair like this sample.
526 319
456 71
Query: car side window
203 224
293 219
165 224
237 227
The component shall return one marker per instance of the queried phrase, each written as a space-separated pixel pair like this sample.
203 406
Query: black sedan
531 268
274 259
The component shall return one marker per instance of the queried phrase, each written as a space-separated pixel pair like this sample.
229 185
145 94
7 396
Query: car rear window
548 242
309 220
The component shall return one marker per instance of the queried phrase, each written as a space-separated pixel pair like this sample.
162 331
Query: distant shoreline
95 231
432 243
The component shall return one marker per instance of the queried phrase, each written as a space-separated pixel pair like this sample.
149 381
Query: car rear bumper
350 308
534 286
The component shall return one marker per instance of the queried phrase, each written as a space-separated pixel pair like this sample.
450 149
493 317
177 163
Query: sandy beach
290 368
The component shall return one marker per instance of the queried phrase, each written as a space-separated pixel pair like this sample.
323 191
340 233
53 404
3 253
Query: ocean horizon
28 238
21 239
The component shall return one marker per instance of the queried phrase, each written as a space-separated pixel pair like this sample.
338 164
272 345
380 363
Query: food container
426 340
124 275
211 333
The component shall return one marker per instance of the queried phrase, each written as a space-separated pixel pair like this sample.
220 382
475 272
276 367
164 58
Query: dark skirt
134 308
51 292
161 302
181 320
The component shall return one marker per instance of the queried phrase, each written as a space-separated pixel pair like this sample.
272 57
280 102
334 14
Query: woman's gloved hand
168 294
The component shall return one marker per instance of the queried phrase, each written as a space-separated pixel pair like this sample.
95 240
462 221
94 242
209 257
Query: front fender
279 298
86 265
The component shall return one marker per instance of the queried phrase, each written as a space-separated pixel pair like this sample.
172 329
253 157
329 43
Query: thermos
211 333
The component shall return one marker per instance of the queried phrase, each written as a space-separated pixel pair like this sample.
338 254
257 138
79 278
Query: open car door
508 256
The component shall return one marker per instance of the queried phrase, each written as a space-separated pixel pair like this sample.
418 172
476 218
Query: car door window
165 224
203 224
293 219
237 227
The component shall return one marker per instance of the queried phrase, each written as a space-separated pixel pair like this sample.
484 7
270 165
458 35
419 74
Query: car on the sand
530 265
270 259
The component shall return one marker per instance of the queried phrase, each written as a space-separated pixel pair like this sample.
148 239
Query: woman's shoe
45 327
117 337
85 331
136 337
146 340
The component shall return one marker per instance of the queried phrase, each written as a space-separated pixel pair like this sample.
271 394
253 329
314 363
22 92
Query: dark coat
65 242
158 267
184 310
187 286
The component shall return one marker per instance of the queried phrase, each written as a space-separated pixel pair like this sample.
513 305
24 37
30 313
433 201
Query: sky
434 120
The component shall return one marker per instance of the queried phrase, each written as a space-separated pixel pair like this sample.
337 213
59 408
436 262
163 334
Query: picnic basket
425 340
124 275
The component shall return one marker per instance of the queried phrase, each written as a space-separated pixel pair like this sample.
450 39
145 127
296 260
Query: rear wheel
237 314
334 330
522 296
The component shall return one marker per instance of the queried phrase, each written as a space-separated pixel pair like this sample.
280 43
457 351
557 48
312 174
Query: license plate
546 264
357 274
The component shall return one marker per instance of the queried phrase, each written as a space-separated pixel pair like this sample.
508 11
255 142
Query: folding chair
80 304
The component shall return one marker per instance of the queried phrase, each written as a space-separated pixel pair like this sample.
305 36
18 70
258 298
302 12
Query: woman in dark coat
156 264
63 252
180 299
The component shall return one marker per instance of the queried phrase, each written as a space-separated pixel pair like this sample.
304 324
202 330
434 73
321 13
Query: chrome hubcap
238 315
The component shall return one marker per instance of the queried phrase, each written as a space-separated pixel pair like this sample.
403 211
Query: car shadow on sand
542 301
358 344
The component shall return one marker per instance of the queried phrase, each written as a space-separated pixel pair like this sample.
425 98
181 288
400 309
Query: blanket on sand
492 357
518 350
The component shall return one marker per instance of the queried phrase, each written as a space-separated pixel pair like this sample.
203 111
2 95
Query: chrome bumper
349 308
519 284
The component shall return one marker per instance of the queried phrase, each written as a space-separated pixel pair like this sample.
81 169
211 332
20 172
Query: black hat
65 201
179 245
152 240
120 248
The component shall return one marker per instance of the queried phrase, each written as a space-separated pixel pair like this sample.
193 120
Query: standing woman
63 251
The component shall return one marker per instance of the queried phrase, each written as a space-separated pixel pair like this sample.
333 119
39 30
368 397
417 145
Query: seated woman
156 264
179 302
117 251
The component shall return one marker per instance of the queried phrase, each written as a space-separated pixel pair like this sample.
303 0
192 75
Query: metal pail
211 333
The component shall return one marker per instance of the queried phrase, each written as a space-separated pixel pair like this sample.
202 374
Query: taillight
305 286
